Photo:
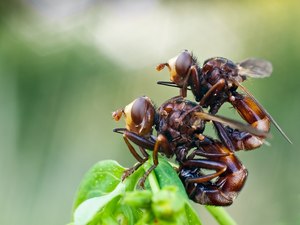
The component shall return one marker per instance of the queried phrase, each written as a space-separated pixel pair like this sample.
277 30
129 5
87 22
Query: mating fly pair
180 124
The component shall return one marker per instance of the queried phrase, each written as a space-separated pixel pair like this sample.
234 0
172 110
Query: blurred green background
66 65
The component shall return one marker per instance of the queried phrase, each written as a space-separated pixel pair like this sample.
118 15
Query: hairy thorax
176 120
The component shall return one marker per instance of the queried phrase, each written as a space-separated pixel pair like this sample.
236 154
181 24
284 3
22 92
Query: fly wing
257 68
265 111
232 123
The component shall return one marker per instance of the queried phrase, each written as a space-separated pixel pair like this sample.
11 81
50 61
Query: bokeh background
66 65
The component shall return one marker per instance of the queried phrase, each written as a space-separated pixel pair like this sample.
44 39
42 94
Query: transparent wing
258 68
265 111
232 123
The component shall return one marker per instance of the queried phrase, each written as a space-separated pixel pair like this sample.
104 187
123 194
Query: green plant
103 199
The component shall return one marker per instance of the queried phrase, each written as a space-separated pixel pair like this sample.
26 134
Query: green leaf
100 186
87 210
100 180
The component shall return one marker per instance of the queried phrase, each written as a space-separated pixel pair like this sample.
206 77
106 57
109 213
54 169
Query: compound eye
138 110
139 116
183 63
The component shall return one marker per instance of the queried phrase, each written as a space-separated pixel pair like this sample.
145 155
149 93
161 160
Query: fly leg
219 167
230 177
141 142
163 143
193 73
208 98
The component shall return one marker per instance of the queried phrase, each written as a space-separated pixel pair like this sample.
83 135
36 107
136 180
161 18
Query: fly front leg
141 142
140 160
209 98
191 74
135 138
161 143
131 170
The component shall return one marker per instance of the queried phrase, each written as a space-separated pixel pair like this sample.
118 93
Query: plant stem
153 182
220 215
152 176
